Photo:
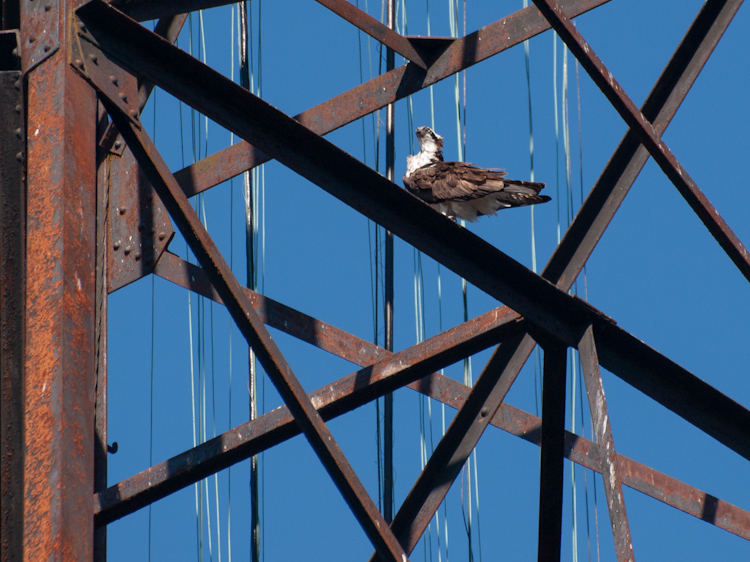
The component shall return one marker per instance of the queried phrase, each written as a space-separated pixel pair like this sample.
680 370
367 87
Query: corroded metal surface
602 427
12 283
60 364
240 308
140 229
446 57
648 136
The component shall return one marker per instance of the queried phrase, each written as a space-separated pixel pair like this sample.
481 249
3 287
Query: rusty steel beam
450 455
278 425
241 310
602 427
572 254
342 176
12 283
551 464
377 93
391 371
60 330
466 339
382 33
336 171
667 161
630 156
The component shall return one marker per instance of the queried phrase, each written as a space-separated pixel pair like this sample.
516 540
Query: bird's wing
454 181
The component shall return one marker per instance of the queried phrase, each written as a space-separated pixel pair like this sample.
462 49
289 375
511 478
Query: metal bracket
109 79
140 229
40 25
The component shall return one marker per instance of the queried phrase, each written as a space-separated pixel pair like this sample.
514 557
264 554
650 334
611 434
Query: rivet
15 52
79 63
19 132
123 97
485 411
133 114
47 48
116 245
118 144
19 156
82 26
93 58
32 39
162 235
18 108
113 79
47 8
127 250
122 210
137 256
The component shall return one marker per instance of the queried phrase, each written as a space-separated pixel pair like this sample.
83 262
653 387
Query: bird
462 190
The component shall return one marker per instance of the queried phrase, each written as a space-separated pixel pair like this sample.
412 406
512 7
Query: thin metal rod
257 336
602 427
553 453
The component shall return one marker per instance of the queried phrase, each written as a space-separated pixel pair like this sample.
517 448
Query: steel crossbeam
346 394
378 92
648 136
304 151
257 336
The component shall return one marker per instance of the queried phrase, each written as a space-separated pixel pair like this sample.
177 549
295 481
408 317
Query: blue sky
657 272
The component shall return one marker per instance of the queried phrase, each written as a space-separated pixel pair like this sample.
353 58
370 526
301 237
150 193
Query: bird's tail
525 192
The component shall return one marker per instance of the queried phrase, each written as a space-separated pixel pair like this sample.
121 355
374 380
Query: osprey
460 189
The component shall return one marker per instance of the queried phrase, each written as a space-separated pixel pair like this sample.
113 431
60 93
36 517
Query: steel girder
566 319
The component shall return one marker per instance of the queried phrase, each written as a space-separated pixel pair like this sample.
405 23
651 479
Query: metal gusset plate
140 229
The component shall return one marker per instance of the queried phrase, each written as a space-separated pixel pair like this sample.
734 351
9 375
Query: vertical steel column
390 156
60 362
102 276
553 451
12 275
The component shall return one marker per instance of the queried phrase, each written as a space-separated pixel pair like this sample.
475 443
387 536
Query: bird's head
429 140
